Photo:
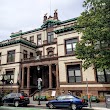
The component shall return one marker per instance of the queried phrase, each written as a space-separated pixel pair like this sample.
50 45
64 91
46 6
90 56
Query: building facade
48 53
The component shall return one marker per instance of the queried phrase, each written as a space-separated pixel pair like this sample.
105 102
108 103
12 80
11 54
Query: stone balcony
41 58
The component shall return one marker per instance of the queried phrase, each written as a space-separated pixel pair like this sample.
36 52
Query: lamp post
39 88
88 97
3 78
39 85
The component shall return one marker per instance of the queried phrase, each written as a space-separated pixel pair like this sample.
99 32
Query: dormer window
50 37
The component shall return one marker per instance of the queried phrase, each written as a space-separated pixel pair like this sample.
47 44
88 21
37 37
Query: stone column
50 76
28 77
57 76
22 83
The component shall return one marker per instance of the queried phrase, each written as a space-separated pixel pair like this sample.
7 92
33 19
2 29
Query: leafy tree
94 24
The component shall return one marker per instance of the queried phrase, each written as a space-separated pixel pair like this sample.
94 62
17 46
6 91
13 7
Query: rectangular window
71 45
39 41
100 76
11 56
24 54
103 76
103 93
25 38
73 73
32 39
50 37
31 54
107 72
10 77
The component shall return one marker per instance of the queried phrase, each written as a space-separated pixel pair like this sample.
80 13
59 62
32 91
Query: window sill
10 62
70 55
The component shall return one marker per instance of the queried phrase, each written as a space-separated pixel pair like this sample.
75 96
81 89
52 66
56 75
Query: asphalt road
43 107
21 108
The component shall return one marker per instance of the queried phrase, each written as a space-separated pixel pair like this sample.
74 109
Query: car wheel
16 104
51 106
73 106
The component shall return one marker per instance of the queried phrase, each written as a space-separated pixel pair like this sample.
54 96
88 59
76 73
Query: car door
59 101
12 97
6 99
68 100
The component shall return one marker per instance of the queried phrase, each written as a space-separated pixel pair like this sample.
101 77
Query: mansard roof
66 29
11 42
45 25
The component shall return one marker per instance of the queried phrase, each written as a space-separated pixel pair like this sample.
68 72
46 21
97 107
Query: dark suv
16 99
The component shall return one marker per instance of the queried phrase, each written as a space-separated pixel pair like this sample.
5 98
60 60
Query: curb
36 105
95 108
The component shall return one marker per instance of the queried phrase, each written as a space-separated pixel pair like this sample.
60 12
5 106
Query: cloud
28 14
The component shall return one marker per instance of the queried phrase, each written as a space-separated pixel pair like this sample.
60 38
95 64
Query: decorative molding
18 41
45 25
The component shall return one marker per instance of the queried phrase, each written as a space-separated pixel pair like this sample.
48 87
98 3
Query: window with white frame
103 76
74 73
71 45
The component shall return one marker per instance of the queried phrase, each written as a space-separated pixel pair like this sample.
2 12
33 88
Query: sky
27 15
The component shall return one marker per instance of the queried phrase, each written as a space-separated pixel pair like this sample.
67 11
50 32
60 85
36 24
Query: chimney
55 14
45 17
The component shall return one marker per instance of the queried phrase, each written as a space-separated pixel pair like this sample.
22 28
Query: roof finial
45 17
55 14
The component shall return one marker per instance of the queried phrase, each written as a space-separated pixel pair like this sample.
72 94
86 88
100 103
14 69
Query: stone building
48 53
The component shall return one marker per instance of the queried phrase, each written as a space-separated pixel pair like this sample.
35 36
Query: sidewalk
36 105
95 108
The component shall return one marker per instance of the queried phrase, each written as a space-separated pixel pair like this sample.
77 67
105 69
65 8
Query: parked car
92 98
16 99
1 103
67 101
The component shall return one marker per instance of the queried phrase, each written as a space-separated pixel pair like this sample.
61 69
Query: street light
3 79
39 85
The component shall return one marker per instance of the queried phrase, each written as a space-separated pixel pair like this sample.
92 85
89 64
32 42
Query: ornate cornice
27 32
18 41
45 25
66 29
